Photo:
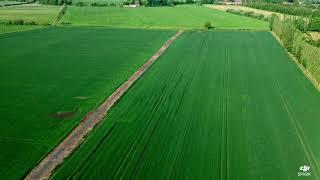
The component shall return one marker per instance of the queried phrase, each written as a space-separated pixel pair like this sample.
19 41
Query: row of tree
296 10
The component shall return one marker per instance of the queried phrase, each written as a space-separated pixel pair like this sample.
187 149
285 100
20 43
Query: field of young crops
184 16
212 107
40 14
51 77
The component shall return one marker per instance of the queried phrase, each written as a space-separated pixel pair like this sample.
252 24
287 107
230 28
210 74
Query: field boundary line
65 148
314 81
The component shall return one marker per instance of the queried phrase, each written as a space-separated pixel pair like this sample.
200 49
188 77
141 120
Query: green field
184 16
88 2
41 14
212 107
51 77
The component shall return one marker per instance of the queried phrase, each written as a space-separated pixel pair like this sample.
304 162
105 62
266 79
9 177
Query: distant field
185 16
13 28
212 107
88 2
50 78
244 8
42 14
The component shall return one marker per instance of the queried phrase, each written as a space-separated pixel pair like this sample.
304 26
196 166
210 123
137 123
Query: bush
81 4
315 24
9 22
18 22
260 16
50 2
66 23
207 25
304 63
98 4
126 3
30 23
247 13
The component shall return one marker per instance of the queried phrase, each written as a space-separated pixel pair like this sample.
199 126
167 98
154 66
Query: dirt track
44 169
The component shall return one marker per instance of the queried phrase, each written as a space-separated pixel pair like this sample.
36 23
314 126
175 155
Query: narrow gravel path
44 169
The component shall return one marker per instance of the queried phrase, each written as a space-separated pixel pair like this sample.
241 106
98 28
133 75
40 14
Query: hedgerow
298 43
286 9
248 14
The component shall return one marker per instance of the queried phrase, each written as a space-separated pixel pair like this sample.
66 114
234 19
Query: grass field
88 2
212 107
184 16
41 14
50 78
14 28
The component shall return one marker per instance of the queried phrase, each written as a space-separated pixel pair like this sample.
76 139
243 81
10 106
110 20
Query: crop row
216 104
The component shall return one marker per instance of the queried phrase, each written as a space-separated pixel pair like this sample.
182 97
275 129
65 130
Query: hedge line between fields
297 43
286 9
248 14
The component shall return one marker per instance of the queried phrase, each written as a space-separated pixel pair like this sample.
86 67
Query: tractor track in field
65 148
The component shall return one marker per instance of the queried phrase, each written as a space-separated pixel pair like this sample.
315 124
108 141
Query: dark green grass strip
212 107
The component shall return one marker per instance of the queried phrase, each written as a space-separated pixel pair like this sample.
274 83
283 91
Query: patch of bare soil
62 115
44 169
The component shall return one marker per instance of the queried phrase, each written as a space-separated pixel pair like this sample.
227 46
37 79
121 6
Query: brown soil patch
44 169
62 115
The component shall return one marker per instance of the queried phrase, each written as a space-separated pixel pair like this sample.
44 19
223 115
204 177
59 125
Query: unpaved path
44 169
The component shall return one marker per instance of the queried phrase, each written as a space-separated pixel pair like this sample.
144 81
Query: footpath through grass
183 16
50 78
216 105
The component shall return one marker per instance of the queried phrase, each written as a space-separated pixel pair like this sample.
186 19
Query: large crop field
51 77
41 14
184 16
216 105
